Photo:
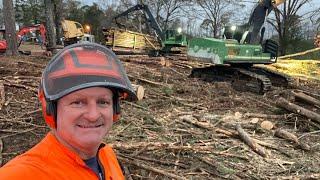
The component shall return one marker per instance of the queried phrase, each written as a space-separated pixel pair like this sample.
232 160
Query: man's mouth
90 126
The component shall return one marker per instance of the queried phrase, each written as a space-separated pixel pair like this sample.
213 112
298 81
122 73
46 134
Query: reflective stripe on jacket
51 160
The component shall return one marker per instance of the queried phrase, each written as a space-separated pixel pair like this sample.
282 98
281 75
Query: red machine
3 42
35 33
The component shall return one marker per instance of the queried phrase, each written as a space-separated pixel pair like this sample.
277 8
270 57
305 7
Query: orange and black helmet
80 66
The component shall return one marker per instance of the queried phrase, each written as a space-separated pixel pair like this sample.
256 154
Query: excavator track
254 79
247 80
277 78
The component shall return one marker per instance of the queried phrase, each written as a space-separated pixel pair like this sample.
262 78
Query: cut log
147 81
291 137
149 168
146 60
266 116
298 109
286 135
267 125
2 95
139 91
306 98
250 142
165 62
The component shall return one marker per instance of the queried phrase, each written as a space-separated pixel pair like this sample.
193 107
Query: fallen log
147 81
121 56
291 137
149 168
298 109
147 60
266 116
2 95
229 132
306 98
206 125
250 142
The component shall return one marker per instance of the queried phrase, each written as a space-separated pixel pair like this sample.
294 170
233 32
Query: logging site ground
185 128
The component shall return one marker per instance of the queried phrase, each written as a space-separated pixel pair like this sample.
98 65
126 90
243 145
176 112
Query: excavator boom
258 17
150 19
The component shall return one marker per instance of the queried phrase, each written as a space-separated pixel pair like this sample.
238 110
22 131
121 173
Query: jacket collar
63 151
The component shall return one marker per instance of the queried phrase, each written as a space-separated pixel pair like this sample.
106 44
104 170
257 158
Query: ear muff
116 108
48 110
51 110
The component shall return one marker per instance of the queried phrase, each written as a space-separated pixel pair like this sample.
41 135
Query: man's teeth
90 126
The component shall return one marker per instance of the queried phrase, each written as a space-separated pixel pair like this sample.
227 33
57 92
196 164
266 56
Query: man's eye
77 103
104 102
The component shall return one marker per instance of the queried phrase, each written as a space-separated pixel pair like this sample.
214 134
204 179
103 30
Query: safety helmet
80 66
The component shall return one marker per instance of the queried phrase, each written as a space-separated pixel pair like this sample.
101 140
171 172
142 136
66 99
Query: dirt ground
183 128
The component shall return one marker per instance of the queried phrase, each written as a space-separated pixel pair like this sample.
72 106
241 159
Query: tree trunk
58 11
9 21
50 25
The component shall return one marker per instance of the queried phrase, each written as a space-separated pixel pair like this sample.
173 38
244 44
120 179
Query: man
80 91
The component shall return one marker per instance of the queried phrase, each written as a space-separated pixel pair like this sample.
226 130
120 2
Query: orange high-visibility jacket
51 160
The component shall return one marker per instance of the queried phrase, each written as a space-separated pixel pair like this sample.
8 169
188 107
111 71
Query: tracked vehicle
169 39
232 57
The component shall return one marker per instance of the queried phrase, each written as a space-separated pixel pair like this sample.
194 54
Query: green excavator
168 39
233 56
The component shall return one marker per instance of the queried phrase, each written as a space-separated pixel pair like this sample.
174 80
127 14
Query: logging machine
235 54
167 38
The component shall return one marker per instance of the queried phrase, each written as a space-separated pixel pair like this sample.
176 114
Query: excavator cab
175 37
235 32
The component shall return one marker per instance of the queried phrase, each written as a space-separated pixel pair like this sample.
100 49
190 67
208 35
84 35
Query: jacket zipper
101 167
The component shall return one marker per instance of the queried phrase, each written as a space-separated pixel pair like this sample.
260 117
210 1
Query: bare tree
9 21
216 13
167 11
58 11
1 16
50 24
286 20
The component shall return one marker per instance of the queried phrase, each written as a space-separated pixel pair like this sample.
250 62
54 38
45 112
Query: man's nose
92 113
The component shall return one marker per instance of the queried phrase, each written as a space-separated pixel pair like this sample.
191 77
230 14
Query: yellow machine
73 32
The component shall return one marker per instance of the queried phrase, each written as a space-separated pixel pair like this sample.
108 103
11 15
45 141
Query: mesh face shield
85 65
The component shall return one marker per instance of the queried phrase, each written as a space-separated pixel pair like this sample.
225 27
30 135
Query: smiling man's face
84 117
